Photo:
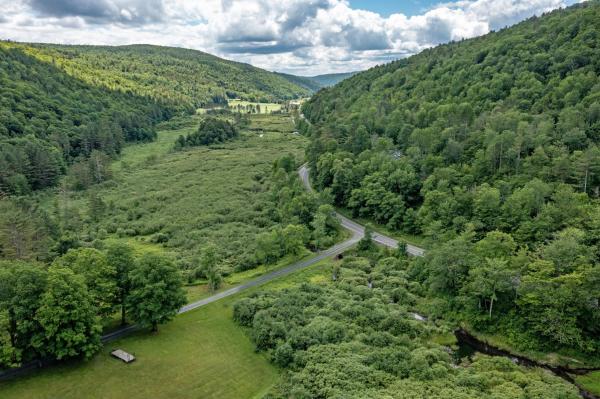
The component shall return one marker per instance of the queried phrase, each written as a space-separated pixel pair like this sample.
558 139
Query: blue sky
302 37
385 8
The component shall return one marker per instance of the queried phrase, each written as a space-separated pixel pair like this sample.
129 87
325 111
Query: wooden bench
122 355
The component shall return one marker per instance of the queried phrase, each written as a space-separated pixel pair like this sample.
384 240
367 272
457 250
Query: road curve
359 229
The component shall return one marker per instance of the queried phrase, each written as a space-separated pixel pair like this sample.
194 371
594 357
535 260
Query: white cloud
297 36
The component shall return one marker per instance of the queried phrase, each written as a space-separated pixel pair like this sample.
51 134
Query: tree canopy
489 148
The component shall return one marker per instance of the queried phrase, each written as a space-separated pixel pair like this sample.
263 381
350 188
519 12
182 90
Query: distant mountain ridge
183 77
317 82
331 79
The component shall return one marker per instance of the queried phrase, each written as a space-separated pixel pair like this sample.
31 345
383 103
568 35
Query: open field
179 202
201 354
265 108
590 382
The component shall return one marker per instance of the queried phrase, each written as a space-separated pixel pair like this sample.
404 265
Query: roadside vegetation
234 207
352 333
489 150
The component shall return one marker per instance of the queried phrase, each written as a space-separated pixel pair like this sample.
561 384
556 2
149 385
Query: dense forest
309 83
331 79
489 148
181 77
355 337
317 82
49 120
60 104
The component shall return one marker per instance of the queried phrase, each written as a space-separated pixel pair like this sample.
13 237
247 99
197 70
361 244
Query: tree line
304 219
49 120
492 141
212 130
58 311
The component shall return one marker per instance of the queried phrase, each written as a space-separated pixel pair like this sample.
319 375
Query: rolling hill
181 76
316 83
303 81
489 148
331 79
60 103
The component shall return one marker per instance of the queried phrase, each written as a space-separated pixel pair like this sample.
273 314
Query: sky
387 8
302 37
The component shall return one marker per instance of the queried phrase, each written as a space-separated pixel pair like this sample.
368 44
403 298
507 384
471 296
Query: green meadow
201 354
265 108
181 201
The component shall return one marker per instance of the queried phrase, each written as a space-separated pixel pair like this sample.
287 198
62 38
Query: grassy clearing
200 290
262 123
590 382
179 202
201 354
265 108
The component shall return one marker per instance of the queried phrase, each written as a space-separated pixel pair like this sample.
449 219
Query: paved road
357 228
335 250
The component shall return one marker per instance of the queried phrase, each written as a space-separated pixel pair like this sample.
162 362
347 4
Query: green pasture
201 354
265 108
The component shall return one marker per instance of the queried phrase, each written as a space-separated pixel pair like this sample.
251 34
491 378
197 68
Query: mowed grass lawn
265 108
201 354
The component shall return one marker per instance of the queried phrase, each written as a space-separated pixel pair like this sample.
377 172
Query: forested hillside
489 148
182 77
331 79
48 119
303 81
65 104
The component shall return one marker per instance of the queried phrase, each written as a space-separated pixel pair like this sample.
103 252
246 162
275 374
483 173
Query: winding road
357 230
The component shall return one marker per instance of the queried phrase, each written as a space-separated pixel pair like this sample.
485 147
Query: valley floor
201 354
